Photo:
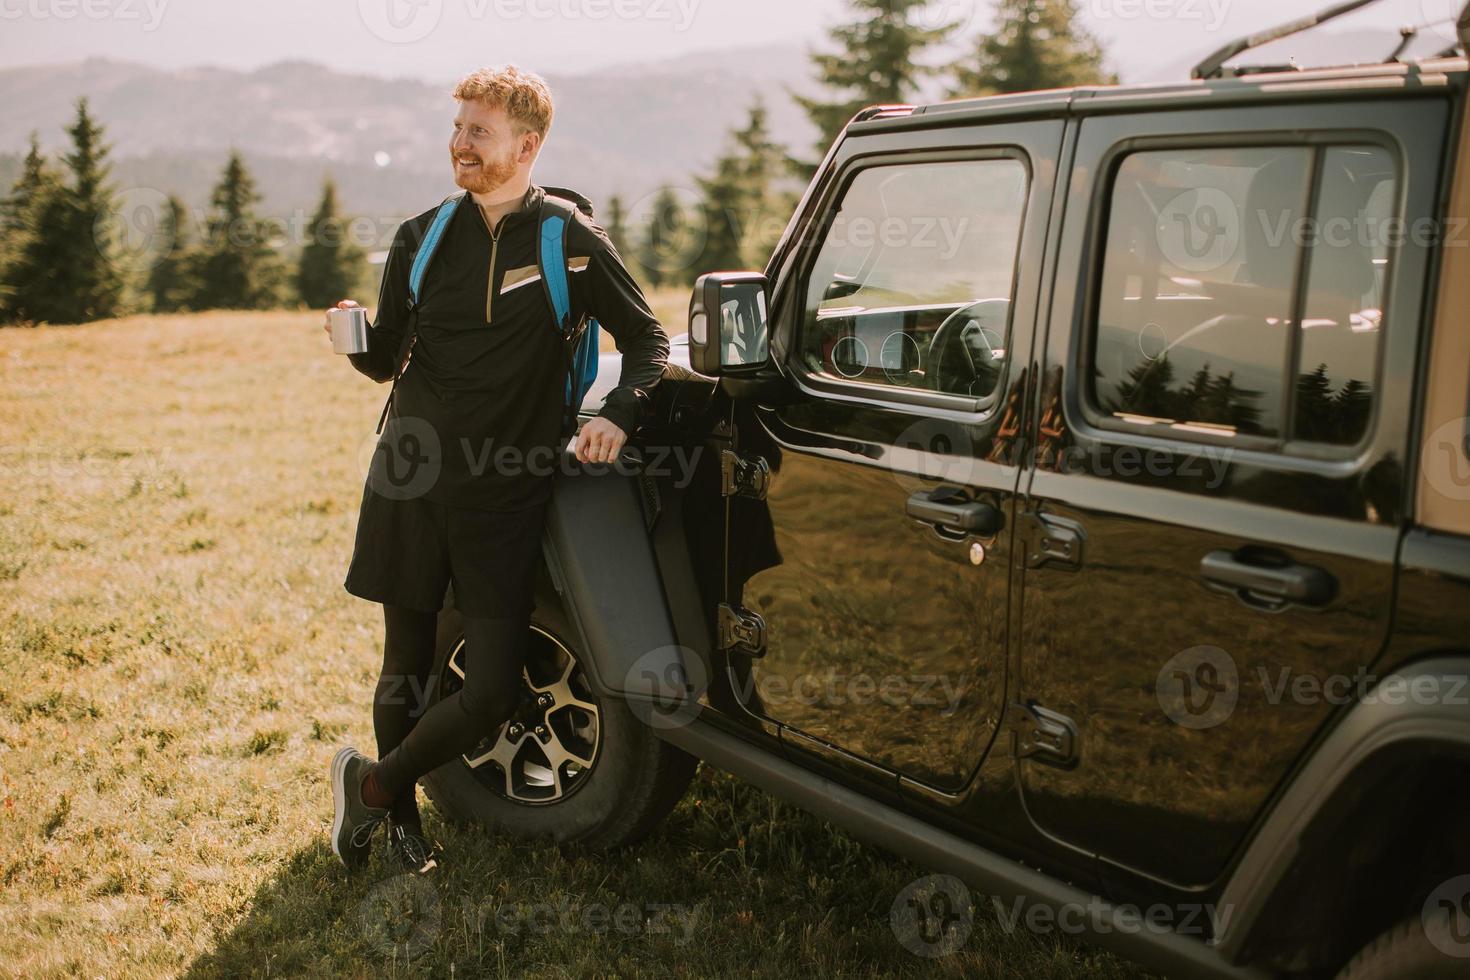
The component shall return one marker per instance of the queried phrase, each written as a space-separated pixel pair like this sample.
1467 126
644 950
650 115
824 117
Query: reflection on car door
891 474
1222 428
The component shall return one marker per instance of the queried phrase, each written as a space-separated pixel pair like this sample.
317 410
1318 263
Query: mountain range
623 130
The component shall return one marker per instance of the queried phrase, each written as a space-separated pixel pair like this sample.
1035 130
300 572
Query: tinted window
1343 314
911 286
1207 252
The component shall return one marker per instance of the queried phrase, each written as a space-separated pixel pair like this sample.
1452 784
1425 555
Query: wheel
568 765
1428 948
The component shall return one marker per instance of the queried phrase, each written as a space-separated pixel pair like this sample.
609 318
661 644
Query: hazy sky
438 39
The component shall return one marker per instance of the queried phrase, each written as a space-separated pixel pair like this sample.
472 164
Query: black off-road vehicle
1079 504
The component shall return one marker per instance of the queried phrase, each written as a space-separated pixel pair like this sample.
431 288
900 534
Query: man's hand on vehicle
599 441
345 304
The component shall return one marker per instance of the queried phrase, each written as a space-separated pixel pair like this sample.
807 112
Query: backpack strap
416 272
579 336
552 257
430 245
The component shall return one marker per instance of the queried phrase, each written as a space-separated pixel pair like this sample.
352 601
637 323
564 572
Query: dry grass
177 502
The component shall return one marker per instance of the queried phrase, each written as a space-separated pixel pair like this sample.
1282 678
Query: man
459 484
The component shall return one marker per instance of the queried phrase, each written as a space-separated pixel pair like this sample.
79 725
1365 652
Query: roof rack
1212 66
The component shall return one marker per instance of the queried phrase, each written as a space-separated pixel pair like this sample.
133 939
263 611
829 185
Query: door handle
950 509
1267 580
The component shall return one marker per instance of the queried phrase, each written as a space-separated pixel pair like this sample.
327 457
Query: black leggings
413 741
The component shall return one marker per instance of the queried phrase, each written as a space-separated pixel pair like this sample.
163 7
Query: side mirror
727 323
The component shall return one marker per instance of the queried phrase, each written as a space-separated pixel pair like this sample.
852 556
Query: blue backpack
579 339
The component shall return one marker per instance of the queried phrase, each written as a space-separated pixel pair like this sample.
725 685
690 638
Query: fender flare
1383 721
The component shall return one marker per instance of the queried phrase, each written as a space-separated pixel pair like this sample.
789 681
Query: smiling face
486 150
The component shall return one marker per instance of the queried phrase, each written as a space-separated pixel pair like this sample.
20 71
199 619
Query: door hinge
1051 540
742 631
743 476
1043 735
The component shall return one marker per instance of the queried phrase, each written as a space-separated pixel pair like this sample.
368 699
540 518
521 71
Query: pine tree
168 280
64 268
1315 412
34 173
1037 44
742 205
18 215
331 265
236 266
661 241
617 224
877 61
1354 404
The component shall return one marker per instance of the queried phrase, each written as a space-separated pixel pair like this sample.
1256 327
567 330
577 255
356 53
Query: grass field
177 503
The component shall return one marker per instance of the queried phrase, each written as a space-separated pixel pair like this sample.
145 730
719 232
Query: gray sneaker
354 821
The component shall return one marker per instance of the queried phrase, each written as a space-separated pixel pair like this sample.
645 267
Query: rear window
1241 293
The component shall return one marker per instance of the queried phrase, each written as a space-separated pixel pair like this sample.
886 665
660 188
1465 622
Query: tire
1415 949
634 780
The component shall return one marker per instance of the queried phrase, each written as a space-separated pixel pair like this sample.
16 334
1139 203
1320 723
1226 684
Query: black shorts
408 551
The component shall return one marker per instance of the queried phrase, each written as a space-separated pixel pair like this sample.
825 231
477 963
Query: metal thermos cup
349 330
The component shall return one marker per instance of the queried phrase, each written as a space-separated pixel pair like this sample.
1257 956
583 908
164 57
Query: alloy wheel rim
547 749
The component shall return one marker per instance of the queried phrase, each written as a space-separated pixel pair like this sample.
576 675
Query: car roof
1359 81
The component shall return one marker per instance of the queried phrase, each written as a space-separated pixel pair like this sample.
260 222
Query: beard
486 177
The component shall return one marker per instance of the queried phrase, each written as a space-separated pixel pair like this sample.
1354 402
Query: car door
887 512
1210 528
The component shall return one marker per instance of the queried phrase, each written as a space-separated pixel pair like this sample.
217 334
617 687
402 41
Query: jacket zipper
490 285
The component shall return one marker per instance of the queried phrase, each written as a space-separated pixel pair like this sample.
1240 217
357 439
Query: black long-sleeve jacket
488 369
